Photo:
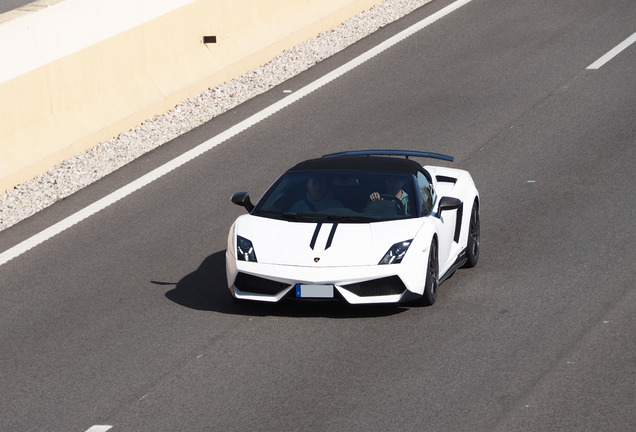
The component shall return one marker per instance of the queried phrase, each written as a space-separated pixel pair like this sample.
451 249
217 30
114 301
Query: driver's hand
375 196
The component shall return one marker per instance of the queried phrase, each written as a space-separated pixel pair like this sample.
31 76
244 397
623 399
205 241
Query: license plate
314 291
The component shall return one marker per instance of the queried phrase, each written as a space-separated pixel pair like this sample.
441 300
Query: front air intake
258 285
378 287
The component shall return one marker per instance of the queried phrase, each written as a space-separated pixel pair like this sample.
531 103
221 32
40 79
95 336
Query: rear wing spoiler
405 153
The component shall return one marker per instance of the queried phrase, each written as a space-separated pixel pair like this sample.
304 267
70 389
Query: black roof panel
366 163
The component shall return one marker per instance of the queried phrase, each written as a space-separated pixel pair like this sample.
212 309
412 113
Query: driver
394 187
317 199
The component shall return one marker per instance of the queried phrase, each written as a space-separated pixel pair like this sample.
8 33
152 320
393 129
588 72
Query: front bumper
392 283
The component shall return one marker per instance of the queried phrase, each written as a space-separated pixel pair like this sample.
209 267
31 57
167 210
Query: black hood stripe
331 234
315 236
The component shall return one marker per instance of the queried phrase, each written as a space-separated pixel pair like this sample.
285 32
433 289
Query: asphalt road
8 5
124 319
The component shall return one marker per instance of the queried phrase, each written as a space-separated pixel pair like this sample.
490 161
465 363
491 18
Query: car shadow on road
205 289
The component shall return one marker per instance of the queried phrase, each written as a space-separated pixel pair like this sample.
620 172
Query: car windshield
339 196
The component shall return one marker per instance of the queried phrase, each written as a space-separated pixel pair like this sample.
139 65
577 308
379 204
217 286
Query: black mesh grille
377 287
258 285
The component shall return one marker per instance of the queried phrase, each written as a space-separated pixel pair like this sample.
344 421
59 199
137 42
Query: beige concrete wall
72 103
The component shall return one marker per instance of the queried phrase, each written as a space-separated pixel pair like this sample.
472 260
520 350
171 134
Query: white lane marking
157 173
98 428
613 52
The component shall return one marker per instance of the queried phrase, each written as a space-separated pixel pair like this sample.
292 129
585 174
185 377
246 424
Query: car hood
322 244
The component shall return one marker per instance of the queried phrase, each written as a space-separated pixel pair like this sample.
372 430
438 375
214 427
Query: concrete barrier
78 72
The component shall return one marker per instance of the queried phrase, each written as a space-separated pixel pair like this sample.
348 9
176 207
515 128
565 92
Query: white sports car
363 226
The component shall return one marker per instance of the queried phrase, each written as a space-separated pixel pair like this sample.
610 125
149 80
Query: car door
446 221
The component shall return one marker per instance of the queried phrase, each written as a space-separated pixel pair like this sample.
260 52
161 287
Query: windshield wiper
276 214
311 217
336 218
352 219
293 217
315 217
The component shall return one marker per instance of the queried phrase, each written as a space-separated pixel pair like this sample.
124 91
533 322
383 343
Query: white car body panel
356 244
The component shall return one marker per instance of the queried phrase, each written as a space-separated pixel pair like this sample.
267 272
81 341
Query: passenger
317 199
394 187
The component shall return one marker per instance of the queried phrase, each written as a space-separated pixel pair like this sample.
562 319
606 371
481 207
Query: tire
472 246
432 276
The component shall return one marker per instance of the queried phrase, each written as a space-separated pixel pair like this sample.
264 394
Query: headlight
244 249
396 253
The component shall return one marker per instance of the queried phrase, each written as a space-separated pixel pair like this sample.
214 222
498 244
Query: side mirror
448 203
243 199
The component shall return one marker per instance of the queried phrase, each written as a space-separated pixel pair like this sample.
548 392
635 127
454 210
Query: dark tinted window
346 195
427 193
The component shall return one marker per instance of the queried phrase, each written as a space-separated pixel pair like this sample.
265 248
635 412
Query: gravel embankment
73 174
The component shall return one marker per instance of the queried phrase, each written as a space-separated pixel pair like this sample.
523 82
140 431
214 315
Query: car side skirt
460 261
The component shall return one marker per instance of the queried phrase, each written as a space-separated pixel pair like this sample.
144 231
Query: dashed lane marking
613 52
98 428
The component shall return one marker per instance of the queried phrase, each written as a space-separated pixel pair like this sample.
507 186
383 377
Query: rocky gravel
73 174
